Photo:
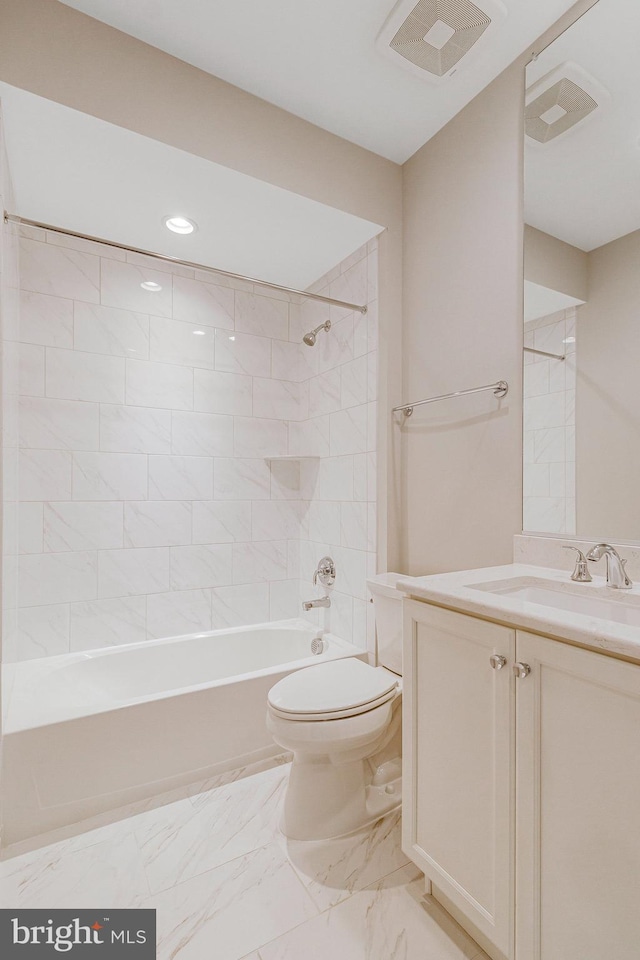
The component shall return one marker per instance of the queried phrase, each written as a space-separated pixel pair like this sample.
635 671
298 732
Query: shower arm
326 326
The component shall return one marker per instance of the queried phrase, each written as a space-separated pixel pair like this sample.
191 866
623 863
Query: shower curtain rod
545 353
12 218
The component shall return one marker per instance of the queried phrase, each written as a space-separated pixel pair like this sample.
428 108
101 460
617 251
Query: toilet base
325 800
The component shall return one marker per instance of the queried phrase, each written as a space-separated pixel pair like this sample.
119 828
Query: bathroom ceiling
584 187
318 59
73 170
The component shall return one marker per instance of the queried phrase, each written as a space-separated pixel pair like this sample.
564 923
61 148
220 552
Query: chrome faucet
311 604
616 574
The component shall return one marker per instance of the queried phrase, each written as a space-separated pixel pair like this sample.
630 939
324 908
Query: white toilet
341 720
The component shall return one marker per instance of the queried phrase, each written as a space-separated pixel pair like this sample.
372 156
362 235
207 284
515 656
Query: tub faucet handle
325 572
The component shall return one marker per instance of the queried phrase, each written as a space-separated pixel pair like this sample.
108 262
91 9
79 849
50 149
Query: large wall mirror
582 280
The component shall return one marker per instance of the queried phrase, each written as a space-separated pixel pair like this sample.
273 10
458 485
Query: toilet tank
387 605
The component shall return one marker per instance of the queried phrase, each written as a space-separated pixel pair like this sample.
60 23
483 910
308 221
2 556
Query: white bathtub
90 732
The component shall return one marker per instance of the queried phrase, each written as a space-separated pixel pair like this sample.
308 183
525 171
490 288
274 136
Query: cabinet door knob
497 662
521 670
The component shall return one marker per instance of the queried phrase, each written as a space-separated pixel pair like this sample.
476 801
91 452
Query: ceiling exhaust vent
563 98
430 38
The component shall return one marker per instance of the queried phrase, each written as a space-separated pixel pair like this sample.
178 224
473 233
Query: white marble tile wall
549 425
340 375
148 506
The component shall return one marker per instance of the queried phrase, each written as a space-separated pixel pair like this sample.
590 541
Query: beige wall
59 53
555 264
463 328
607 394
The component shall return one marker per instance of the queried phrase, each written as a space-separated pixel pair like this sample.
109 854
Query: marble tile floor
226 884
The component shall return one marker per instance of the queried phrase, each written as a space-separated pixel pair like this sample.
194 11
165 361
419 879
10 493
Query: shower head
310 338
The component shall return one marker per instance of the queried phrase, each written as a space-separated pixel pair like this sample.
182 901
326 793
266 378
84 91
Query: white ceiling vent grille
430 38
560 100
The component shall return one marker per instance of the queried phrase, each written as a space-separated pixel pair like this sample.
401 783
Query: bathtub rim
41 667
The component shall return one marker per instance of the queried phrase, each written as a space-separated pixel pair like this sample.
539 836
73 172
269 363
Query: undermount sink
604 603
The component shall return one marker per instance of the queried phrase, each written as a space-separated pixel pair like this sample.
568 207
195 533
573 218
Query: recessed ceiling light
180 224
231 338
151 285
198 333
569 340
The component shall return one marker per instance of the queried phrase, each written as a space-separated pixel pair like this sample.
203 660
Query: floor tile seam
320 910
335 906
302 884
218 866
374 883
385 876
193 813
142 863
296 926
285 933
137 893
167 811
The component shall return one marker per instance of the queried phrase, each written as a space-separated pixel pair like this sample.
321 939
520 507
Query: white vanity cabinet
577 804
522 794
458 750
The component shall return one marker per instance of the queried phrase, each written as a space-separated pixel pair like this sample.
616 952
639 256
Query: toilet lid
338 687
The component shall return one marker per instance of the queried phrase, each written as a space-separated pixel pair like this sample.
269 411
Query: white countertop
456 590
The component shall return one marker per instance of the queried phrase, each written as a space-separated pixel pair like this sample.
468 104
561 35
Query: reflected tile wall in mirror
582 251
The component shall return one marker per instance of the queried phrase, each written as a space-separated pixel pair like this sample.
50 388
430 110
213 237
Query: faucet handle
581 570
325 572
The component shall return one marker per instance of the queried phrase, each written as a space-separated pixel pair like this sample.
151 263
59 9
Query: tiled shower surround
148 505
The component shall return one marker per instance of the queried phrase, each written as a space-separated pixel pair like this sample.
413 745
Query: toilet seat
332 690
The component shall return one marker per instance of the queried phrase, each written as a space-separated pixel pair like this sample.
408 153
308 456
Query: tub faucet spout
310 604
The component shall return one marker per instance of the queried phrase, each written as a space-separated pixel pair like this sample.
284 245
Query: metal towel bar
500 389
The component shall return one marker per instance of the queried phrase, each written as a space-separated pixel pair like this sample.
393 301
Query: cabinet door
578 807
458 756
